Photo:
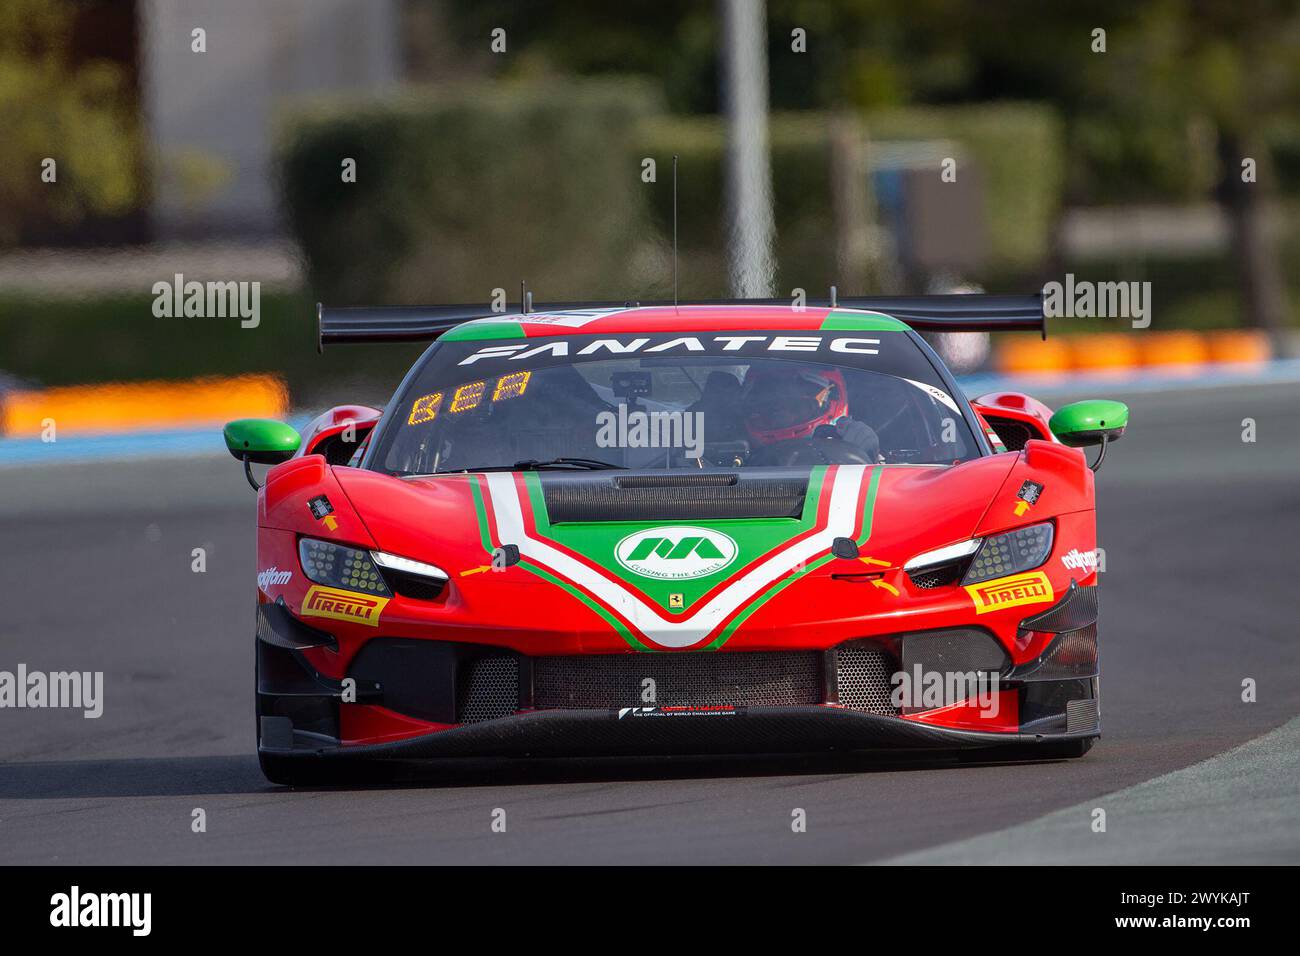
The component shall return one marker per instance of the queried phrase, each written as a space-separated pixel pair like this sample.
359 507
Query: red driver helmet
784 402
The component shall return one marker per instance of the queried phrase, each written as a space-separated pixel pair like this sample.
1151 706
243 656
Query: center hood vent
672 496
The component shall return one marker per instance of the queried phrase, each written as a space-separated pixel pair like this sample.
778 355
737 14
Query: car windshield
667 400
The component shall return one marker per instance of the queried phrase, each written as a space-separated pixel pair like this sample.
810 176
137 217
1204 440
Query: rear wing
960 312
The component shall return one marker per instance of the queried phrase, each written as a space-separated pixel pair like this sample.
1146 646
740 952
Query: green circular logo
676 552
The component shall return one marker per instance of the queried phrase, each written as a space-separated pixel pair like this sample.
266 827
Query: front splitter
591 733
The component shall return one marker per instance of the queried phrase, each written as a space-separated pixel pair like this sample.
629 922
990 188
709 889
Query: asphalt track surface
1200 592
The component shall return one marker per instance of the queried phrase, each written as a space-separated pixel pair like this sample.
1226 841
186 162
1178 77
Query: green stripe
613 622
870 508
480 512
480 329
762 599
873 483
861 322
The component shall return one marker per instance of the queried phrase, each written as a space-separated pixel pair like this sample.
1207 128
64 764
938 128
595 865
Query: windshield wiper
534 464
591 464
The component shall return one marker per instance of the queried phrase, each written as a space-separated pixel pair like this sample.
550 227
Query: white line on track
1242 806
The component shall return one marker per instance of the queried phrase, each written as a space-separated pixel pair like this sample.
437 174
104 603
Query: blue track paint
155 444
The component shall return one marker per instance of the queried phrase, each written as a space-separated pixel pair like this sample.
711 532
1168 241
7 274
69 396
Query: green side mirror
261 440
1089 423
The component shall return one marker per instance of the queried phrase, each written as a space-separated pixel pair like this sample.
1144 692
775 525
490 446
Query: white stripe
574 319
688 629
936 393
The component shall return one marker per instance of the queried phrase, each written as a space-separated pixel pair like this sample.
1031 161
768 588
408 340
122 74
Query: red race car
614 529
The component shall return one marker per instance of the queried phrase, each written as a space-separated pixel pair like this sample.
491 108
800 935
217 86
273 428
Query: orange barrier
1239 345
1173 348
1026 354
1113 351
1110 350
142 406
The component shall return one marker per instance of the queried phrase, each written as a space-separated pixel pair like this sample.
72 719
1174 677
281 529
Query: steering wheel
814 450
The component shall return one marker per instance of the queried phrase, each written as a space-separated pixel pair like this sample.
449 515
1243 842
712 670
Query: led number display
468 397
425 409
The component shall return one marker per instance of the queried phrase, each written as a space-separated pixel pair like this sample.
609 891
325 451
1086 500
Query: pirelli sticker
343 605
1030 588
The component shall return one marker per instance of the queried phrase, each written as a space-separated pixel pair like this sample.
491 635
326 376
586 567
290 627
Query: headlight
339 566
1001 554
941 567
411 578
408 566
946 555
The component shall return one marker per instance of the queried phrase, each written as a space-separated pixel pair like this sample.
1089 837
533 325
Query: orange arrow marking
330 522
1021 507
887 586
883 564
479 570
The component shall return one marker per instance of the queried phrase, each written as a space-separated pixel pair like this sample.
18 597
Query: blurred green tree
1232 71
1185 90
80 116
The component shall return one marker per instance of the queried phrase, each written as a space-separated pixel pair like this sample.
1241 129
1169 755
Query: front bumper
412 699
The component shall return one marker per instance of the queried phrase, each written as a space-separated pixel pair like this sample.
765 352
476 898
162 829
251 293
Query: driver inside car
797 414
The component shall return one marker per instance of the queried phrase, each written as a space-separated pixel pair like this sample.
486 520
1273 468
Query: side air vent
1014 433
940 575
412 585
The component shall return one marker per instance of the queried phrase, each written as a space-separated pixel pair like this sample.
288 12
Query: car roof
686 318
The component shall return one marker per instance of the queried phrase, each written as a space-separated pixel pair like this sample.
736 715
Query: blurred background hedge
462 191
428 220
